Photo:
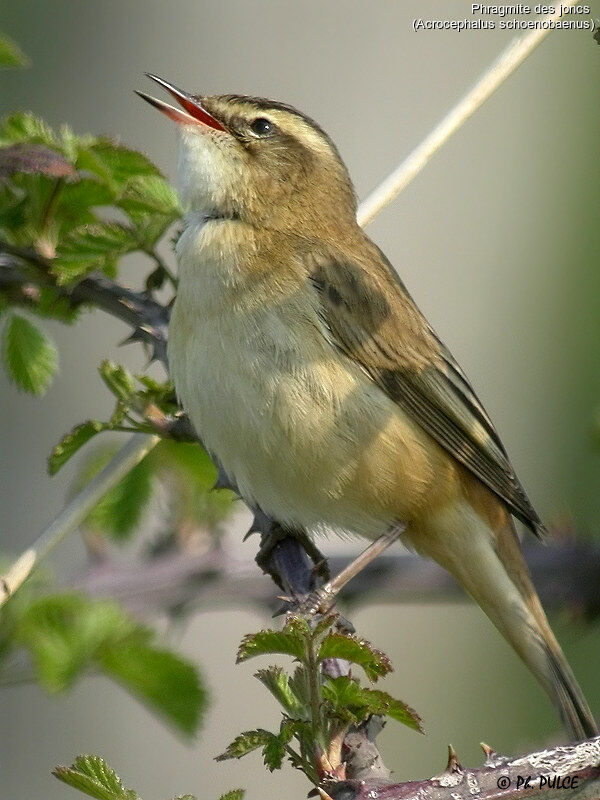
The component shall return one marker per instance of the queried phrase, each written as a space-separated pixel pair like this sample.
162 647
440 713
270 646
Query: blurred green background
497 240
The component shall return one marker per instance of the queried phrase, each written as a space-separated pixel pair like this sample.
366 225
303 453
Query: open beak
193 112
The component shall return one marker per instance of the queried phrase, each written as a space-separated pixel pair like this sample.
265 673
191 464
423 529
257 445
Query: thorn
454 764
134 336
490 753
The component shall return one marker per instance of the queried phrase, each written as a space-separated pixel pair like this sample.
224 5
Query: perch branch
572 771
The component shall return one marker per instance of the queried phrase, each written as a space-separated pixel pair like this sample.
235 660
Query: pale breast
303 432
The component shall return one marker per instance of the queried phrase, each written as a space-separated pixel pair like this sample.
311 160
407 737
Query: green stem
51 205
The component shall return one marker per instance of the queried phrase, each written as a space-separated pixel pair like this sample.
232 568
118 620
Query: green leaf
234 794
188 459
72 442
352 703
65 632
114 163
386 705
165 681
89 247
245 743
11 55
118 379
92 776
23 126
119 511
351 648
278 683
30 358
275 749
269 642
149 194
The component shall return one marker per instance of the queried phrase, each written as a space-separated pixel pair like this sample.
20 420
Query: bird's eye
261 126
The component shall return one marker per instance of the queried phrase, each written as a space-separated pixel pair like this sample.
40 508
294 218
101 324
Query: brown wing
374 321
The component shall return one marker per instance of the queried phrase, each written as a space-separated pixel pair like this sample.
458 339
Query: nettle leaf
165 681
358 651
72 442
11 54
234 794
274 750
65 632
89 247
270 642
245 743
30 358
76 203
118 379
23 126
149 194
298 627
386 705
353 703
278 683
92 776
114 163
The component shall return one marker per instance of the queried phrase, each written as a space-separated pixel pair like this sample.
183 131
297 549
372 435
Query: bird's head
257 160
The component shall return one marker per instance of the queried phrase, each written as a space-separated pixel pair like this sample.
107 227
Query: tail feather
488 563
563 687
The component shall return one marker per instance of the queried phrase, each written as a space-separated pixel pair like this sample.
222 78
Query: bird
311 375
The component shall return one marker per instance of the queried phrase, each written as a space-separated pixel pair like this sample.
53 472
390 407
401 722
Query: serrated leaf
93 776
165 681
67 634
385 704
298 626
95 246
11 54
149 194
245 743
353 703
278 683
275 749
269 642
118 379
30 358
114 163
357 651
234 794
64 634
23 126
72 442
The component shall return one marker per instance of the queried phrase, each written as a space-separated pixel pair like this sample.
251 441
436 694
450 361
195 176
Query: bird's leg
283 555
322 599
